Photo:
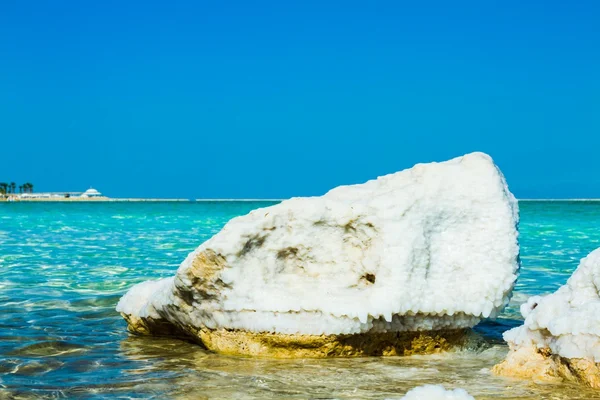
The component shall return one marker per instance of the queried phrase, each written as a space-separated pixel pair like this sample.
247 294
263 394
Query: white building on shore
91 192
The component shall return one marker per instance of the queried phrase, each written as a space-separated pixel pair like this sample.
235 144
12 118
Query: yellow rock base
242 343
313 346
542 365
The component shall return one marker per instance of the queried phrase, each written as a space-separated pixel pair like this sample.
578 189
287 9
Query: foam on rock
560 338
436 392
429 249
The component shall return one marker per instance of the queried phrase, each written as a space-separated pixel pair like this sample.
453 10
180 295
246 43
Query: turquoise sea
63 267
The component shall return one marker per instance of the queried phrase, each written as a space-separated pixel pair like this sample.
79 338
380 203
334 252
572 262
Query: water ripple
63 267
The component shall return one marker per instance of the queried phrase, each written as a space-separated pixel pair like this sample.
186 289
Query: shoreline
249 200
91 200
140 200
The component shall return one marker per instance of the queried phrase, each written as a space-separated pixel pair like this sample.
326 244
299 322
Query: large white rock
429 248
560 337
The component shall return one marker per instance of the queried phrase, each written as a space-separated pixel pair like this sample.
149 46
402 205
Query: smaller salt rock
436 392
560 338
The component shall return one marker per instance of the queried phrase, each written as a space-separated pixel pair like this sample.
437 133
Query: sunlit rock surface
436 392
560 338
398 265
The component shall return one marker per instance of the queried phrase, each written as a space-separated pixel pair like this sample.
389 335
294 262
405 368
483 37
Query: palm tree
20 188
28 187
13 187
3 187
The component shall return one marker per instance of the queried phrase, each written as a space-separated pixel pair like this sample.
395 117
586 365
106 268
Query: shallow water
64 266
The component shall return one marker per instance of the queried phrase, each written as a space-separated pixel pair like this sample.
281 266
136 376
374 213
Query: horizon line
282 199
566 199
241 199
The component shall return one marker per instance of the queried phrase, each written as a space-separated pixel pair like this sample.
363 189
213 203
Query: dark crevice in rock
254 242
368 277
288 252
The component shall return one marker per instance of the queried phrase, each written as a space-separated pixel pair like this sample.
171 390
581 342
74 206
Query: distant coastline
249 200
104 199
26 194
89 200
591 200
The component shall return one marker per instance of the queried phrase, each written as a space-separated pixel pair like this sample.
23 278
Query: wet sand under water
216 376
171 368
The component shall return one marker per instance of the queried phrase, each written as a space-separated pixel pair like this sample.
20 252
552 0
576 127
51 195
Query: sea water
63 267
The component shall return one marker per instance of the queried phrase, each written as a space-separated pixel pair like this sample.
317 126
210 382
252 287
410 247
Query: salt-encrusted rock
436 392
560 338
398 265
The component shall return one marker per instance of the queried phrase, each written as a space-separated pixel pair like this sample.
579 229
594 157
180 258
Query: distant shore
87 200
592 200
141 200
201 200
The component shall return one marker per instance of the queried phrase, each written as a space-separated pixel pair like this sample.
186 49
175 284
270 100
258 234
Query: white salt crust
431 247
436 392
566 321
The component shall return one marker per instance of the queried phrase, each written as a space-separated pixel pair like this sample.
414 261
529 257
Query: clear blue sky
275 99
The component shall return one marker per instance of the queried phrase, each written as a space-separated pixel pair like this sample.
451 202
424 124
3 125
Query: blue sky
277 99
